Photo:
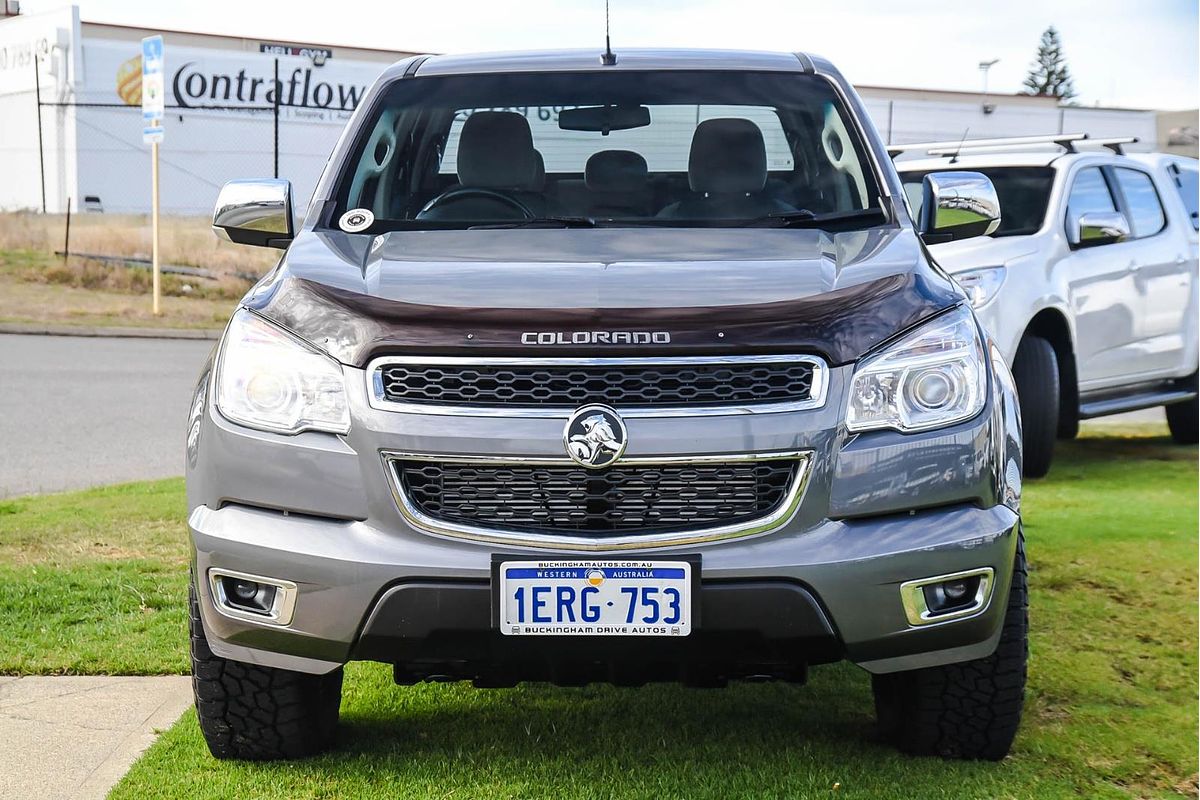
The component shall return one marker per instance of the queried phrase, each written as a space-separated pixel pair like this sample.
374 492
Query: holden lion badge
355 220
595 436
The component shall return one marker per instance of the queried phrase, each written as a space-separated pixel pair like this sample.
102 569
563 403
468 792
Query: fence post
67 237
278 89
37 90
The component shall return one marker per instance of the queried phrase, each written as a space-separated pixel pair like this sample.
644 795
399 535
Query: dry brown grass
82 273
186 241
24 302
40 288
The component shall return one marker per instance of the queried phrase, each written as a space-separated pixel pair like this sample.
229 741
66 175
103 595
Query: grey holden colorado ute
625 369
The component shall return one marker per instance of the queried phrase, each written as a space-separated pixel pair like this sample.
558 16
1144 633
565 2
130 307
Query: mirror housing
255 212
957 205
1097 228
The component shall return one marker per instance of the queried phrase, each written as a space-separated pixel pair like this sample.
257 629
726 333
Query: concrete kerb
50 329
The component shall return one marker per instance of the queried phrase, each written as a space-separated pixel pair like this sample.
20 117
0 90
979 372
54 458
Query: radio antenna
954 158
608 57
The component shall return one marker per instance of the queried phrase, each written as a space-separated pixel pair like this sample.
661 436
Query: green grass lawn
1111 711
94 582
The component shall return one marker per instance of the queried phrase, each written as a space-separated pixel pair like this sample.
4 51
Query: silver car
627 369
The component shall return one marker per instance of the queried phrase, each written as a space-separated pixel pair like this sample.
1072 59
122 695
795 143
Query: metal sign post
152 134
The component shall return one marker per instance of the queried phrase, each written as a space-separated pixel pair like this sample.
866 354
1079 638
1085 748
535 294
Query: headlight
981 285
271 380
933 377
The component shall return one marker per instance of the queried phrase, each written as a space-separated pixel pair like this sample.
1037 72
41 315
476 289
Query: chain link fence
86 161
91 152
205 147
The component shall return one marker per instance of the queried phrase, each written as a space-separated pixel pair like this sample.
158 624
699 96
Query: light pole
984 67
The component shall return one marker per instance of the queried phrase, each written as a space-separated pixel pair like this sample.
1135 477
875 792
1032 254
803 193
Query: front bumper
878 510
362 594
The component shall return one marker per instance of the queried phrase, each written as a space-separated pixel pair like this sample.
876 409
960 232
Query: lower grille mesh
624 498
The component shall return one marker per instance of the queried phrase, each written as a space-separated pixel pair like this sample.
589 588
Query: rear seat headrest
538 182
728 156
615 171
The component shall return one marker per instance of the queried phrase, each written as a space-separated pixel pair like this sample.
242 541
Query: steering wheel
464 192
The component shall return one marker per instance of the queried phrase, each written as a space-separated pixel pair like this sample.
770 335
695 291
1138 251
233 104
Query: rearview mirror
1099 227
255 212
957 205
603 118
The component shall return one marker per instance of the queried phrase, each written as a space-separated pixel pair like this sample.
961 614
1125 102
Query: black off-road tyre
1035 370
969 710
1182 417
259 713
1183 422
1068 424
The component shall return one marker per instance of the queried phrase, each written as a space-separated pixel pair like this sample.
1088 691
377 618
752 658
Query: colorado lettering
595 337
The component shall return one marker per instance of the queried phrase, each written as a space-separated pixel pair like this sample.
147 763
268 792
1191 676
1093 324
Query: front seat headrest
616 171
495 151
727 157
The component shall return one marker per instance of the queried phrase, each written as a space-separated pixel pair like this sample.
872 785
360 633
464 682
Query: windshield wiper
540 222
807 219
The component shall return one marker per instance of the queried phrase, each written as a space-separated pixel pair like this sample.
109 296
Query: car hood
698 291
981 251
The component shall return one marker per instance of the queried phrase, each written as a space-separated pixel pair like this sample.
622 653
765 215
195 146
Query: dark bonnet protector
712 291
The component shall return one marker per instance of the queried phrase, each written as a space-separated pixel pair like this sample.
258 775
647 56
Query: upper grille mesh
622 498
619 384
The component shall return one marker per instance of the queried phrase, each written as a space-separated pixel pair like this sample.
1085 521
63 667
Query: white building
88 147
88 76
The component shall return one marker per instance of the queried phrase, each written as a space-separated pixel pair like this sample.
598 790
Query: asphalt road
78 412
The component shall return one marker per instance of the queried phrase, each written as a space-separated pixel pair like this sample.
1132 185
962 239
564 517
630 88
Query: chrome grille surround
757 365
779 515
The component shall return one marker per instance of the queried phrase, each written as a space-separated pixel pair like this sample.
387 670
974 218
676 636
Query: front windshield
607 148
1023 192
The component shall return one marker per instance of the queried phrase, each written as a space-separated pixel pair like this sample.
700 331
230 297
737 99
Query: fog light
951 595
245 590
940 598
956 590
248 595
264 600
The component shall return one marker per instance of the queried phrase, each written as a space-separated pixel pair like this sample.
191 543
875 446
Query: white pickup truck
1089 285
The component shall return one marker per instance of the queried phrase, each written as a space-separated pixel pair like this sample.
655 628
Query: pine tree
1049 74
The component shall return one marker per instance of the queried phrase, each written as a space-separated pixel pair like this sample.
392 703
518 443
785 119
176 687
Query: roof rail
1067 141
1116 143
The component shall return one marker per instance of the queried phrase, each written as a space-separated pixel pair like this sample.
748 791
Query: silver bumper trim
281 611
912 596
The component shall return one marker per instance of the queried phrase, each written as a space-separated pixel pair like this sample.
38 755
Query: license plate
596 598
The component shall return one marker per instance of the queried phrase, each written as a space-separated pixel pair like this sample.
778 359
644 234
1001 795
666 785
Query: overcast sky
1139 53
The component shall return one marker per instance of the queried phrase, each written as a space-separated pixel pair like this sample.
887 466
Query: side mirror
957 205
1098 227
255 212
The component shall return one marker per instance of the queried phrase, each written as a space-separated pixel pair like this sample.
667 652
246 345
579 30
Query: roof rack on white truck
1067 141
